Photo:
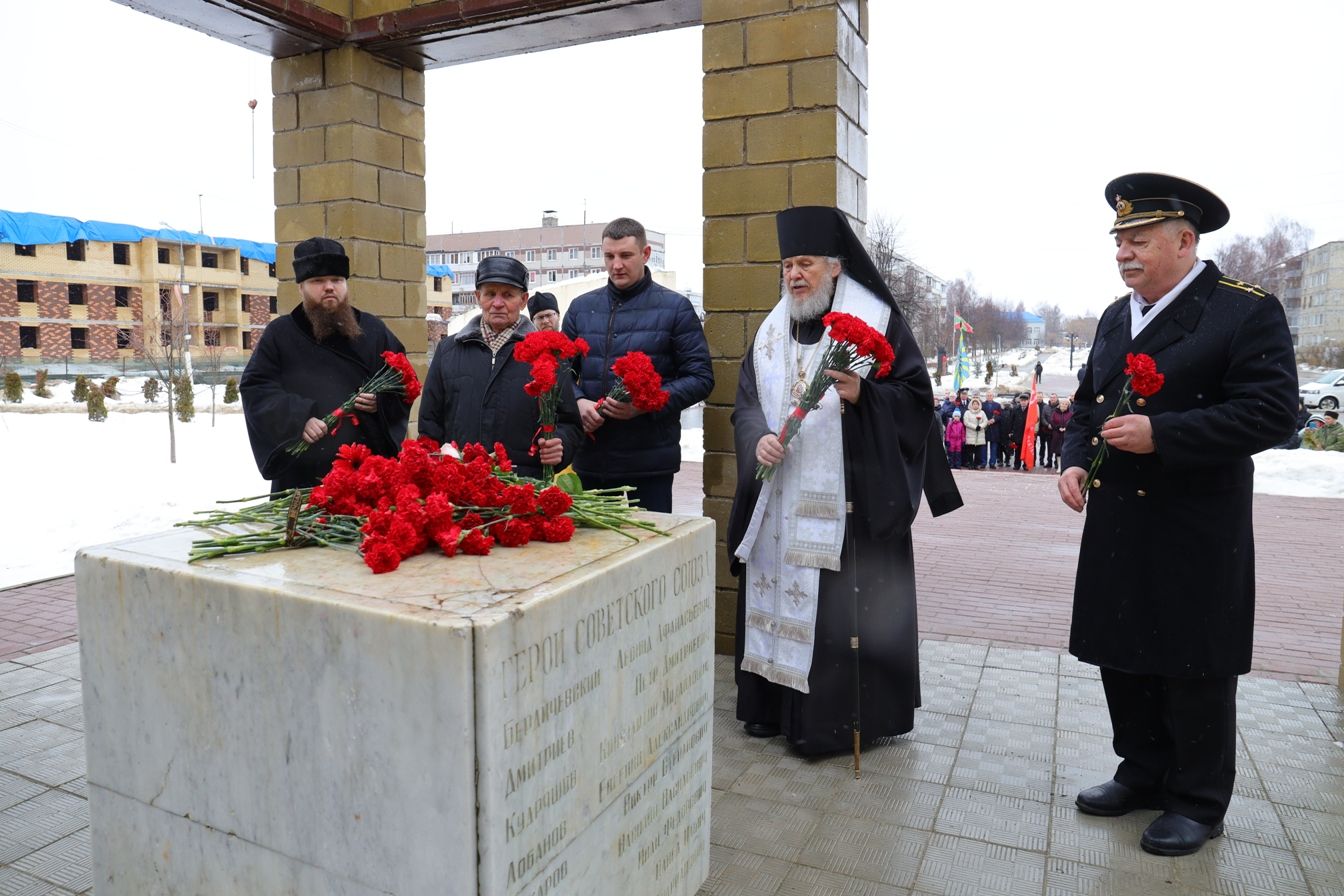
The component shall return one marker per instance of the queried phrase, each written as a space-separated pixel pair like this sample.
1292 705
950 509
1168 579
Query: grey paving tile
1271 690
1002 775
1067 878
36 659
67 664
1005 820
1032 742
931 651
946 698
1027 660
14 882
1082 690
1110 843
1255 821
875 796
33 737
907 759
804 881
1237 867
956 866
67 862
79 787
23 679
1089 718
1306 790
40 821
871 850
11 716
938 728
762 827
45 701
1307 753
15 789
1071 667
1296 721
783 779
1018 683
69 718
1318 842
1091 751
1031 710
945 674
53 766
735 872
1322 696
1334 723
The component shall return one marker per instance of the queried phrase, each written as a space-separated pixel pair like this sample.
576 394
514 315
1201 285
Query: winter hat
318 256
956 415
1333 415
542 301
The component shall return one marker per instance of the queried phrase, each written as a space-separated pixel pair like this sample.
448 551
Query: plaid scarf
496 341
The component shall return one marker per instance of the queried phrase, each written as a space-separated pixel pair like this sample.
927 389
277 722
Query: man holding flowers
309 362
475 388
819 545
1189 375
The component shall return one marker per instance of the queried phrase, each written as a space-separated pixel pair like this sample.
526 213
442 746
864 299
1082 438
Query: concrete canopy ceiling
416 33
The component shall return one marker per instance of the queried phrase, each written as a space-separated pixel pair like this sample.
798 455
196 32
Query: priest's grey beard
815 305
332 323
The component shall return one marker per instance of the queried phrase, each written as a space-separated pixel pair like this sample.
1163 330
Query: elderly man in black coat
474 388
1164 599
306 364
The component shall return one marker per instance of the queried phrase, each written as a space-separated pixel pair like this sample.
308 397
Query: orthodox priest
822 550
308 363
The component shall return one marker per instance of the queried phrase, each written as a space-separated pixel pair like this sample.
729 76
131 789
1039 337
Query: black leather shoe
761 729
1176 835
1114 798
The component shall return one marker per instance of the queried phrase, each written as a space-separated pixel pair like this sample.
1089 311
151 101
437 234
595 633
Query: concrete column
350 165
786 117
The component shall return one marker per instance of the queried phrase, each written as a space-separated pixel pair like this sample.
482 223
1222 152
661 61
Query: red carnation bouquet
855 347
545 350
1144 380
638 382
392 508
396 375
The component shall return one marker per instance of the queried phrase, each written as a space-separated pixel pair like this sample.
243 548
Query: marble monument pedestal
533 722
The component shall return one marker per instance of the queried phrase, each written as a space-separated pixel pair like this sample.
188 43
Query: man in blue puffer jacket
632 313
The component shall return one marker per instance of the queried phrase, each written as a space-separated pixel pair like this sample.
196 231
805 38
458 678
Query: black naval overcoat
1166 572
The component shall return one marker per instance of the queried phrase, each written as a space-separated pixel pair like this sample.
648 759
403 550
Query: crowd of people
981 432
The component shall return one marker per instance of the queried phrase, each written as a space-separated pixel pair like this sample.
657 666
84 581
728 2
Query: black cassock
892 452
291 377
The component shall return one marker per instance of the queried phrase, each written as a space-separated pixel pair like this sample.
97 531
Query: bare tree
164 351
211 360
910 286
1054 323
1256 259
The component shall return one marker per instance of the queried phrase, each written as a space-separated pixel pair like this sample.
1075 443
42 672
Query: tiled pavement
978 799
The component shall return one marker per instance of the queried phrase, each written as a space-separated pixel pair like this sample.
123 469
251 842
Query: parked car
1326 391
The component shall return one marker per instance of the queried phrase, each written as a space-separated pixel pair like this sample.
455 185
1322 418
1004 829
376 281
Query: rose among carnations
395 376
854 348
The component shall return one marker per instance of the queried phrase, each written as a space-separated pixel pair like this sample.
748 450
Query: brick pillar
350 165
786 115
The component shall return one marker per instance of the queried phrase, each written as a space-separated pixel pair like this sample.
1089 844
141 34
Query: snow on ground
70 482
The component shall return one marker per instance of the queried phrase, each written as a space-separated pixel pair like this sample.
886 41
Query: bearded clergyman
822 549
306 364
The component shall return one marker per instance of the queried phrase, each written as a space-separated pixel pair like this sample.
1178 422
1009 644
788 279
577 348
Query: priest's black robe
892 452
291 377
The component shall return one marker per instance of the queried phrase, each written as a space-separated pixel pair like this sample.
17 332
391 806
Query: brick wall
102 302
9 307
53 301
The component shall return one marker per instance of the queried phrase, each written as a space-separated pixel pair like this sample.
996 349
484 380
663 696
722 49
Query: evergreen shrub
97 405
13 387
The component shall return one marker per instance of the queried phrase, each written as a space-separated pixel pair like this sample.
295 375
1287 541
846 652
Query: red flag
1028 447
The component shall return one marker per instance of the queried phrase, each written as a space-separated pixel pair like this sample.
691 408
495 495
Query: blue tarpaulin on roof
32 228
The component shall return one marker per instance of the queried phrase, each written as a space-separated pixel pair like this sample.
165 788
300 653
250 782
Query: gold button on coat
1141 402
1142 493
1096 440
1096 483
1100 399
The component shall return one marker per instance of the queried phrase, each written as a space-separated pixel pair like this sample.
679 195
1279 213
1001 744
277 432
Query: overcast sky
994 129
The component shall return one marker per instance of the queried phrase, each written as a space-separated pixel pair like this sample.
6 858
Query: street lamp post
183 291
1071 337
